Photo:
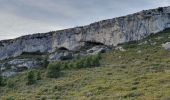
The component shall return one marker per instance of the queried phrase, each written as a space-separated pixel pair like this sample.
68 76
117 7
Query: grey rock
154 43
15 66
142 43
9 73
139 51
159 38
120 48
97 49
27 63
88 94
57 56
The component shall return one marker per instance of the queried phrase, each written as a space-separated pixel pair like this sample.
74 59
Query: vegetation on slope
142 72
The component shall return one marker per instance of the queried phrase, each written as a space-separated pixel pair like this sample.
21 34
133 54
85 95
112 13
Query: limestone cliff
108 32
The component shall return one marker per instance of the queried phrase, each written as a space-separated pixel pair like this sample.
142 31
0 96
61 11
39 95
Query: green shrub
2 81
71 65
45 62
65 65
10 84
38 75
10 98
30 78
79 63
43 98
86 62
53 70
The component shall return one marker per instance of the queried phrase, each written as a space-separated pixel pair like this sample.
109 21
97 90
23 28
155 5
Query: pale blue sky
21 17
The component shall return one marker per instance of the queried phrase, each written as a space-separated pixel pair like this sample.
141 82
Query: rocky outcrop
20 64
15 66
62 55
108 32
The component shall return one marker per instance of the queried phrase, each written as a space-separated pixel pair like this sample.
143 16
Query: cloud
19 17
14 26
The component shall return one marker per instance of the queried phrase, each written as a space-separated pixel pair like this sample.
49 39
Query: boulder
166 46
120 48
139 51
97 49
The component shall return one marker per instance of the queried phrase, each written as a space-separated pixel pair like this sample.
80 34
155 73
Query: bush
53 70
2 81
30 78
79 63
10 84
71 65
45 62
10 98
38 75
89 61
86 62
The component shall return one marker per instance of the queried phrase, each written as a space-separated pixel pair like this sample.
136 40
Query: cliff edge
107 32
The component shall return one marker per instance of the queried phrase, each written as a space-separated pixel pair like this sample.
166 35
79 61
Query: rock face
15 66
108 32
58 56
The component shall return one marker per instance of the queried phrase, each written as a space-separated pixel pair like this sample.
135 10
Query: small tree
30 78
95 61
86 62
38 75
79 63
10 83
1 80
71 65
45 62
90 60
53 70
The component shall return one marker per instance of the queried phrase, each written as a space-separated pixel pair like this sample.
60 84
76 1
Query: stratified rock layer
108 32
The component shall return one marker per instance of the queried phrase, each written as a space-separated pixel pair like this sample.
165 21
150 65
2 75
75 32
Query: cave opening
63 48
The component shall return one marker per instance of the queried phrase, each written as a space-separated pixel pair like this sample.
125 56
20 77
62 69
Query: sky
22 17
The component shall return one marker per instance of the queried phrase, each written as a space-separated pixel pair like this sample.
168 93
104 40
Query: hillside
140 72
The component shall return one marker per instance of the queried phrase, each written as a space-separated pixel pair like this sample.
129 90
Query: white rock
139 51
166 46
120 48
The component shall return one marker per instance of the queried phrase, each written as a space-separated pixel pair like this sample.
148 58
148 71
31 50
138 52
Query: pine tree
1 80
30 78
53 70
